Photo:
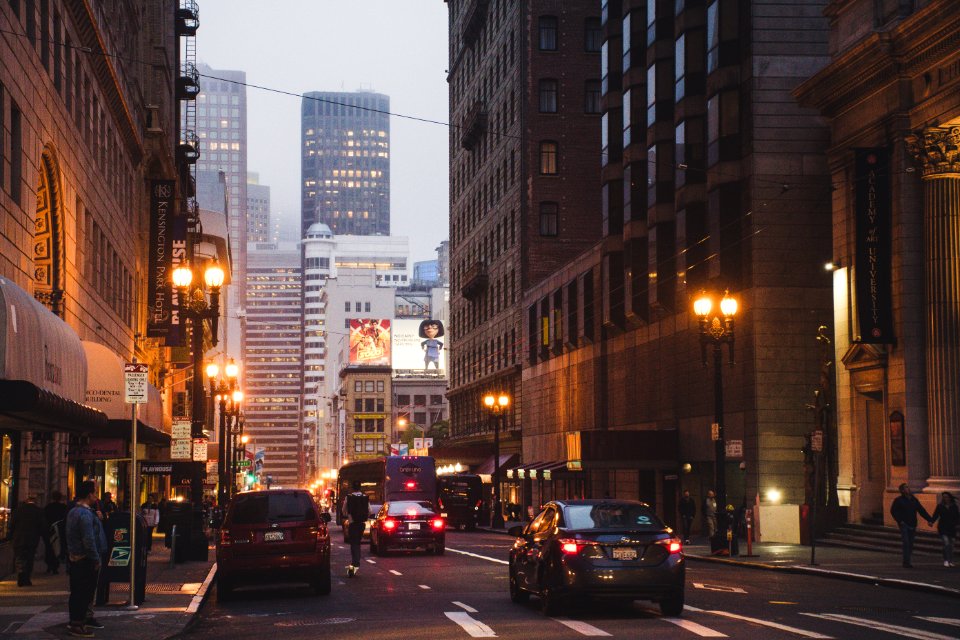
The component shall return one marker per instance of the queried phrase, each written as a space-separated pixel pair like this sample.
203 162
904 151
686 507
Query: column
939 156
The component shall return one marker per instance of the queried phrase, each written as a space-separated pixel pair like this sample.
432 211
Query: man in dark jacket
688 511
358 510
27 525
87 547
904 510
55 542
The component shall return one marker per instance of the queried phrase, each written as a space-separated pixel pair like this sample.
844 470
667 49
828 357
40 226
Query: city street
464 594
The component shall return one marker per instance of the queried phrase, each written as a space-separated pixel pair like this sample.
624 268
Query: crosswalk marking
880 626
582 627
953 622
465 607
699 629
371 561
475 628
767 623
423 586
395 572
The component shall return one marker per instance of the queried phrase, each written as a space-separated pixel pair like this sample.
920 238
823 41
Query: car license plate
272 536
413 526
624 553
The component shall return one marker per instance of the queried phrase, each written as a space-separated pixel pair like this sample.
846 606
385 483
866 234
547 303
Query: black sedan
616 549
407 525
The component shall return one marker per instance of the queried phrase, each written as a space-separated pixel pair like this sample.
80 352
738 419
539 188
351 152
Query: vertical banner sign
158 280
872 268
178 255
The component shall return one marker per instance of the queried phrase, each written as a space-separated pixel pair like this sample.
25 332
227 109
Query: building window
403 400
380 386
420 401
357 307
366 307
591 96
369 386
548 95
357 444
346 307
548 33
357 386
548 158
592 35
548 218
420 419
369 404
380 405
358 405
436 400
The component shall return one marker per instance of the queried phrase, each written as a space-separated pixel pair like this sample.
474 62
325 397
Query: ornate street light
228 396
717 329
195 308
497 404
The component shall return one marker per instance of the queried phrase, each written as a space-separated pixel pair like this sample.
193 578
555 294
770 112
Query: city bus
386 479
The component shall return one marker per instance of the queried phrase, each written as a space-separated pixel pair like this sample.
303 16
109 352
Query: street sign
816 441
244 463
715 431
200 450
181 449
734 448
418 443
427 443
134 383
181 430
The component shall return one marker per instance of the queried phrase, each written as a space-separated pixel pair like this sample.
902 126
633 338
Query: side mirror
516 531
325 516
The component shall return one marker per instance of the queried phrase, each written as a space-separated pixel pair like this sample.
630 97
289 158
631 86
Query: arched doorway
48 249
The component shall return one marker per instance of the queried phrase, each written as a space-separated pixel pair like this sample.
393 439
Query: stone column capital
937 149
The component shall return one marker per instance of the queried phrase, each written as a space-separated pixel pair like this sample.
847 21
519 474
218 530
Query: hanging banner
162 194
178 256
872 268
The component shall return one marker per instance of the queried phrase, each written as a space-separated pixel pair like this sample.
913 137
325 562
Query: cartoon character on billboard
430 330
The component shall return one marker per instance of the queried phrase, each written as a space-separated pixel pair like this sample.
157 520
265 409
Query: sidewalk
873 567
173 596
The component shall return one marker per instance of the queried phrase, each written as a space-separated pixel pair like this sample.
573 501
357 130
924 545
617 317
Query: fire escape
188 88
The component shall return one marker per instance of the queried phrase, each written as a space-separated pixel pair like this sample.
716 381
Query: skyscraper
345 167
258 209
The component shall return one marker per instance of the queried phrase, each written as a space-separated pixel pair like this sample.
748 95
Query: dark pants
907 534
24 554
687 523
355 534
149 540
83 584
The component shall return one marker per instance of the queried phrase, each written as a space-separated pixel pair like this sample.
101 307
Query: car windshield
273 507
410 508
611 515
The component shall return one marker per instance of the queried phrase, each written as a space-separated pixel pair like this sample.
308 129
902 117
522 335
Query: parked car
276 535
408 524
616 549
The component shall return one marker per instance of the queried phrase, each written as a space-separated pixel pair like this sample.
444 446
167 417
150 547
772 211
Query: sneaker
350 571
93 623
79 631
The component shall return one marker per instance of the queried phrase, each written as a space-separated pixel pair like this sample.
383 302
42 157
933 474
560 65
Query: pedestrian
688 511
107 505
27 526
710 513
358 510
87 545
151 514
904 510
947 516
55 515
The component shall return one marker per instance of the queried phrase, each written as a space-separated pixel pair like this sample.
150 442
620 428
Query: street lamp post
228 396
717 329
497 405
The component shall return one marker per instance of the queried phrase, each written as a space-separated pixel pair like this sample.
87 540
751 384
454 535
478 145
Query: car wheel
672 605
550 600
517 595
321 584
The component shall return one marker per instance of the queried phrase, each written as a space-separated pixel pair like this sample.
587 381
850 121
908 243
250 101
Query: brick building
524 182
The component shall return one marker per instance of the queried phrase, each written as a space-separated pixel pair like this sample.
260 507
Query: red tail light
389 524
225 540
673 545
571 547
410 485
437 524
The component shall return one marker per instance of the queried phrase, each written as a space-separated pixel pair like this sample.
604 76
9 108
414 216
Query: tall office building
222 130
273 359
345 166
258 209
524 183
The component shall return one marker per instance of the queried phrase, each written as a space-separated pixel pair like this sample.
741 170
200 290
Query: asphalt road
463 594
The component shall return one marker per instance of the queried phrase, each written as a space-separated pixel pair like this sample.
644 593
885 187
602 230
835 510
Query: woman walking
947 516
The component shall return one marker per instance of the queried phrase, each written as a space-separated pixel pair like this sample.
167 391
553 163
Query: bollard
749 515
173 545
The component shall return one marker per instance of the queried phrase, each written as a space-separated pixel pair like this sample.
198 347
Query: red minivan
273 536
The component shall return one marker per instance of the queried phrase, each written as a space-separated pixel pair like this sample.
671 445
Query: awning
540 470
43 368
506 460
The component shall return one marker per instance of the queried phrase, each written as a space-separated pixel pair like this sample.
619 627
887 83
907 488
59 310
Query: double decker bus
384 480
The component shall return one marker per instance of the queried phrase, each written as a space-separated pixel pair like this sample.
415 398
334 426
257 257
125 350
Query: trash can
116 568
186 524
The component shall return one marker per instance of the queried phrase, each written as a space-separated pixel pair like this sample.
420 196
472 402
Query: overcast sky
396 47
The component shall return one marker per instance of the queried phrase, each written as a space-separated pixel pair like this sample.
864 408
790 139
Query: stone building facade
891 94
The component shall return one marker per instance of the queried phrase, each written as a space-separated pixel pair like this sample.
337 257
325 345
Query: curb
895 583
190 613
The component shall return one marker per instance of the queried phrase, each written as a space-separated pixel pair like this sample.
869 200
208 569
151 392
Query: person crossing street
358 510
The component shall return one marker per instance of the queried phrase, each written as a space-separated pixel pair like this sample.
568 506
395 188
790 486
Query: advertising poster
370 341
418 347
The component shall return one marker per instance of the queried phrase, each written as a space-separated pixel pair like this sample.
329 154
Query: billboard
370 341
418 347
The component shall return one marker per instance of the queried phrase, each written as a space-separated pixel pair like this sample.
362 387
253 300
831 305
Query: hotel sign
162 200
872 271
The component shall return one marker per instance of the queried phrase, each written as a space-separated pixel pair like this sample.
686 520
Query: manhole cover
162 587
